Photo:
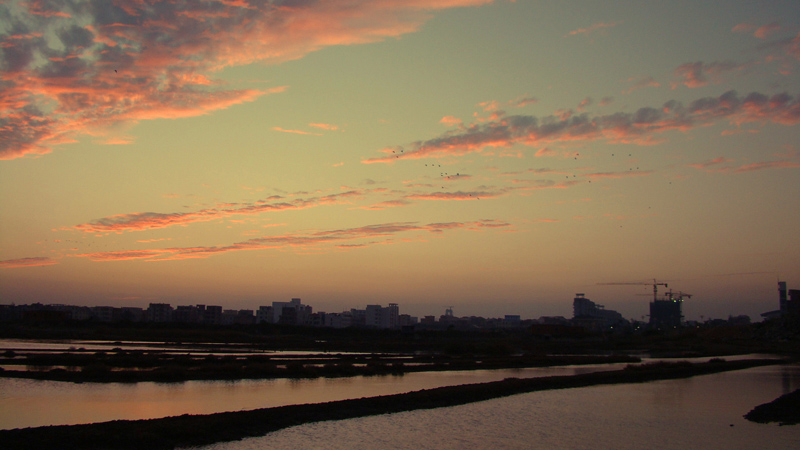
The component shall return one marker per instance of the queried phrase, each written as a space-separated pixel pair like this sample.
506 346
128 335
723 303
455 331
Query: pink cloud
152 220
616 175
743 28
324 126
642 127
335 238
115 62
450 120
282 130
710 163
698 74
640 83
121 255
761 32
388 204
476 195
27 262
592 28
767 30
767 165
524 101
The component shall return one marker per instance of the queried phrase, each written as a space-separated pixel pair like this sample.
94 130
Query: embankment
188 430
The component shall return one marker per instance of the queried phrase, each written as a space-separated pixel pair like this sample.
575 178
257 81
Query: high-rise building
666 313
591 314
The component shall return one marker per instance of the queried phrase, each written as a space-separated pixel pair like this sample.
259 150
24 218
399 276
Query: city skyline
494 156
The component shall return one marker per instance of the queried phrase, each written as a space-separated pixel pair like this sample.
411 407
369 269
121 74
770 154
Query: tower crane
655 285
676 296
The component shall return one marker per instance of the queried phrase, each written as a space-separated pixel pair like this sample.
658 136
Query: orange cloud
638 83
765 31
324 126
628 174
592 28
767 165
388 204
641 127
476 195
710 163
698 74
282 130
27 262
152 220
335 238
115 62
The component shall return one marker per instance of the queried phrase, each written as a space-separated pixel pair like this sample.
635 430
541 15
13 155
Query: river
703 412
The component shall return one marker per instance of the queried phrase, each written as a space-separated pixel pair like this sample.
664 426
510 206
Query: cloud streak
341 238
152 220
27 262
699 74
592 28
642 127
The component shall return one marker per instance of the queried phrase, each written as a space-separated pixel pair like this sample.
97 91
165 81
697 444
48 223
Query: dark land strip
195 430
122 367
785 410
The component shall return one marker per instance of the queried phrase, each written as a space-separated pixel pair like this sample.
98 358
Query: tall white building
377 316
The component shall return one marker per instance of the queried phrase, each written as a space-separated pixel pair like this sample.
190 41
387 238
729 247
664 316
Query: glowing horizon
497 156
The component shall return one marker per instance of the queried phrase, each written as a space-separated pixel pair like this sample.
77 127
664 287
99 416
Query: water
30 403
697 413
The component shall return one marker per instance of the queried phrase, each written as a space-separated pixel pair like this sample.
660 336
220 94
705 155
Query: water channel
702 412
693 412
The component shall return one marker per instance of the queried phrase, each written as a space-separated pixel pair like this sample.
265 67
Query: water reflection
703 412
27 403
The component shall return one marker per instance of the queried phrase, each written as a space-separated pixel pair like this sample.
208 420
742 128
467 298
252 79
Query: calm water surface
30 403
698 413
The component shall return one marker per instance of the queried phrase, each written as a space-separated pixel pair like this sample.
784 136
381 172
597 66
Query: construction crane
676 296
655 285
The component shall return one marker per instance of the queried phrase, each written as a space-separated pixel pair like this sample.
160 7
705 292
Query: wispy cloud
761 32
767 165
698 74
316 239
475 195
767 30
27 262
283 130
641 127
710 163
324 126
592 28
79 67
621 174
153 220
712 166
640 83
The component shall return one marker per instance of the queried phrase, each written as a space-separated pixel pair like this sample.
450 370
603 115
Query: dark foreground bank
784 410
194 430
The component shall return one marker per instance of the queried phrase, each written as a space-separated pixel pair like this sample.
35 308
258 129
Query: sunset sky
493 156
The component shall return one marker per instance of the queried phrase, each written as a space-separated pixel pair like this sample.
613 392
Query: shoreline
95 371
196 430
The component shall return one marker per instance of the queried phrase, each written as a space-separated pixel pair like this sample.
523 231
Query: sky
496 157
